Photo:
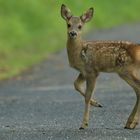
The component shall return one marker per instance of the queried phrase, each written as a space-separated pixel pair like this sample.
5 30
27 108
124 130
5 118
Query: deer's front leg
78 86
90 84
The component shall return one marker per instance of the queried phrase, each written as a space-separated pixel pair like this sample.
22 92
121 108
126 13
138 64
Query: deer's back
109 56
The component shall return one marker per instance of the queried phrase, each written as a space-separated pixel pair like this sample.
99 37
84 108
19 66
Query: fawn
92 57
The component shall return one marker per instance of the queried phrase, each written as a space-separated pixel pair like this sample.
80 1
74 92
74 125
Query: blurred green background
31 29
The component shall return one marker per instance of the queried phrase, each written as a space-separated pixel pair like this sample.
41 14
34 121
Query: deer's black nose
72 34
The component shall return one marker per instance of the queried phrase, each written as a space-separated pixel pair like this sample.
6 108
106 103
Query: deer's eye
79 27
69 25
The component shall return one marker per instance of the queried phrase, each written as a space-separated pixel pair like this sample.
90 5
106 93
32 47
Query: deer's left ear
87 15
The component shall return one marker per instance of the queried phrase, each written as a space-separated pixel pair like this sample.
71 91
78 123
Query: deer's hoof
83 126
131 125
95 103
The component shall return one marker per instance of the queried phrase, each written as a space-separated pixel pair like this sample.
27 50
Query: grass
31 29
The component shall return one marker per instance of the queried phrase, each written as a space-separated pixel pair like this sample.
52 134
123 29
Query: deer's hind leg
132 79
78 86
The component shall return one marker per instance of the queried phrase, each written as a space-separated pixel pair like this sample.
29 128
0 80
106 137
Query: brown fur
92 57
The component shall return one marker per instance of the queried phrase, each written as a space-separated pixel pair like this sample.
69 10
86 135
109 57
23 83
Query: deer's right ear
65 12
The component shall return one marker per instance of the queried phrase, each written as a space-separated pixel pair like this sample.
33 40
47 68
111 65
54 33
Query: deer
90 58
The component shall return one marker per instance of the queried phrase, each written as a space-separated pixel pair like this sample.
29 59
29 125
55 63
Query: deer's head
74 23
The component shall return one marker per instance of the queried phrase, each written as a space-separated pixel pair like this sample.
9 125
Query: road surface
41 103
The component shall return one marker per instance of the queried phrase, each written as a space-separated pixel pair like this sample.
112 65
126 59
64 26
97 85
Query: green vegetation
30 29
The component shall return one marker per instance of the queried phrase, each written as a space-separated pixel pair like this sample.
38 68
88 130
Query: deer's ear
87 15
65 12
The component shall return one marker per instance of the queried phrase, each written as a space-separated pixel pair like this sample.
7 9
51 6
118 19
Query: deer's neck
74 47
74 42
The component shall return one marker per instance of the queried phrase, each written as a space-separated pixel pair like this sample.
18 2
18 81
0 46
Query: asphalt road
41 103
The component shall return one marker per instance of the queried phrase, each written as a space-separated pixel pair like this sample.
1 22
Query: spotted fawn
92 57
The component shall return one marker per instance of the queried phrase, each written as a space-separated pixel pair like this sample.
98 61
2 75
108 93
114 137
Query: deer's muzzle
72 34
